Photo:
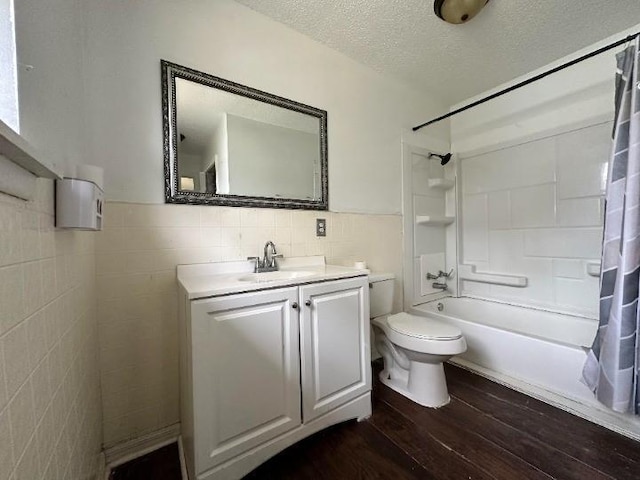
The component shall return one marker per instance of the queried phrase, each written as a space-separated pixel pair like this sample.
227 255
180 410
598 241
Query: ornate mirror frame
169 73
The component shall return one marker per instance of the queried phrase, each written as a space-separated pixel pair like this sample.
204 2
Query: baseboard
126 451
593 413
101 467
183 461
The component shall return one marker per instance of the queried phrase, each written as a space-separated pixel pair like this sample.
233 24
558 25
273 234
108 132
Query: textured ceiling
405 40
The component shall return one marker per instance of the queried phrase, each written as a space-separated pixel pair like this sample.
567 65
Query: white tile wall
516 167
533 207
50 409
582 158
136 257
563 243
499 210
475 225
536 209
580 212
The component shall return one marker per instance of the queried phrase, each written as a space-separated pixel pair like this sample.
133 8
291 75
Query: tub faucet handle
445 274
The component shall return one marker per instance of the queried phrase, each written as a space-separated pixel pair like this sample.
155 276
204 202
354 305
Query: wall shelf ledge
15 148
20 164
441 183
434 220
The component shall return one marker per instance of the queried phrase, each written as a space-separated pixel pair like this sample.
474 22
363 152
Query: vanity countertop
224 278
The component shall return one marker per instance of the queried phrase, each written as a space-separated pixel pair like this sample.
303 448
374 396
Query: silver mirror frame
169 72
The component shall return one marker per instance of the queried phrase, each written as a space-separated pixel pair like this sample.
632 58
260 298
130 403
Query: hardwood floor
487 432
161 464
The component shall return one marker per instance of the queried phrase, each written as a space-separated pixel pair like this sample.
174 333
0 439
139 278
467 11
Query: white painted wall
268 160
531 167
218 153
8 74
369 114
190 167
49 38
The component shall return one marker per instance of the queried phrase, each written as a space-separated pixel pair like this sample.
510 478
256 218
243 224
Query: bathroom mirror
229 144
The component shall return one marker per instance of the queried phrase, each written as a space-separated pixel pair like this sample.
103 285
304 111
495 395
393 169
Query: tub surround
535 211
532 165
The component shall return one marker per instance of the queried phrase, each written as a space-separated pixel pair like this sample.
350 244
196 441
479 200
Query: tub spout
439 286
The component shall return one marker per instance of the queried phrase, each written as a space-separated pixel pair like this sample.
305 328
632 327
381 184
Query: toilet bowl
413 348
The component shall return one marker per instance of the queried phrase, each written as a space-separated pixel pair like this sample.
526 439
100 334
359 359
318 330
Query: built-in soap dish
593 269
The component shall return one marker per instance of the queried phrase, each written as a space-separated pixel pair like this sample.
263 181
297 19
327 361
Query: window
8 70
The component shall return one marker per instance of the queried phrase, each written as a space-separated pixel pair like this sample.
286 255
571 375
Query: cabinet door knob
294 305
308 303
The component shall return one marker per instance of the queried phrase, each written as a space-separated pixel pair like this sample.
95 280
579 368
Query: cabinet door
335 356
246 372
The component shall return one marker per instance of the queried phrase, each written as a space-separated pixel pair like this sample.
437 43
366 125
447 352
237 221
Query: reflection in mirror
226 144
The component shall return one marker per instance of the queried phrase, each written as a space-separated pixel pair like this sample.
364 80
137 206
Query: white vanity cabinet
263 369
246 371
334 344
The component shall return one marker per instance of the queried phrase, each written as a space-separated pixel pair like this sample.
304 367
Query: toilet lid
422 327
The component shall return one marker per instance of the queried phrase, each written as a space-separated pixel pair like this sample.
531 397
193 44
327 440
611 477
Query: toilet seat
419 327
451 341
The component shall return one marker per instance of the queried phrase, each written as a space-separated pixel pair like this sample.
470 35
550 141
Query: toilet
413 348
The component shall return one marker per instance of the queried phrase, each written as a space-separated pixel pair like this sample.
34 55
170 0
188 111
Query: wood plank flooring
487 432
161 464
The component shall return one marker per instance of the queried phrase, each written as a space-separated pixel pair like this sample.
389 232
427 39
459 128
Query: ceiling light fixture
458 11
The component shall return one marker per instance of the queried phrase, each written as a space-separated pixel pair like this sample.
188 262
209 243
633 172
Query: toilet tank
380 294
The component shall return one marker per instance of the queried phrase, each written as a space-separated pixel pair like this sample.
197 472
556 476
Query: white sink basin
275 276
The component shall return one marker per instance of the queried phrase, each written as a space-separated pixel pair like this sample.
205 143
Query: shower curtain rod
528 81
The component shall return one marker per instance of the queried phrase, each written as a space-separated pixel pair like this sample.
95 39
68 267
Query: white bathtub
538 352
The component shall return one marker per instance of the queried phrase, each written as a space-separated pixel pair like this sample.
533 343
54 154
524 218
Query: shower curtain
611 369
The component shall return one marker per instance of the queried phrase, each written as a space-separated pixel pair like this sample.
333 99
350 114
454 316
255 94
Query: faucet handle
274 256
431 276
445 274
256 261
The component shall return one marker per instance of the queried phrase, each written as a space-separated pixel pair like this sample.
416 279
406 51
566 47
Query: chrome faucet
268 262
441 274
440 285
